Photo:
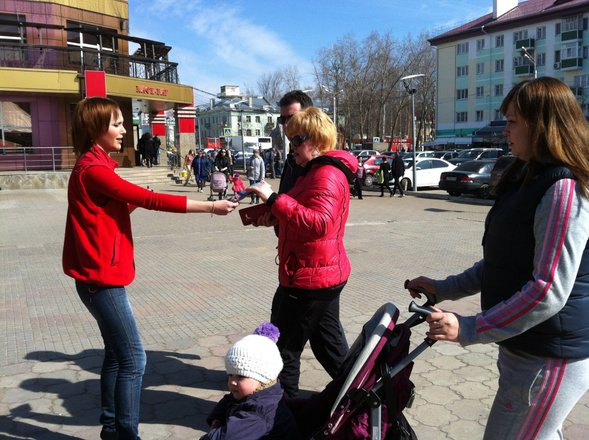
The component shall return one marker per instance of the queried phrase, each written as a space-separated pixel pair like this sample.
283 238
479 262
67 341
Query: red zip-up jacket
98 244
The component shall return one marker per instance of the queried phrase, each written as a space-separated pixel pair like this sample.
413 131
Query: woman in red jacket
313 264
98 254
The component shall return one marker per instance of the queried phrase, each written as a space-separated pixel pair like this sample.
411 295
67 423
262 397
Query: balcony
67 58
576 35
571 63
528 43
525 70
577 91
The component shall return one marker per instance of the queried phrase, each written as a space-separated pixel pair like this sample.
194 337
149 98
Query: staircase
144 176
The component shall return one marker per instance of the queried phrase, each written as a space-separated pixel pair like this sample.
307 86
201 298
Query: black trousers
397 185
308 315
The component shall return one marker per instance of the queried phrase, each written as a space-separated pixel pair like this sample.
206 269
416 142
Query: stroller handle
422 310
431 299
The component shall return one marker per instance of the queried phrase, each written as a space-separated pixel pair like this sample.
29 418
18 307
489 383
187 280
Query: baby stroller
367 399
218 185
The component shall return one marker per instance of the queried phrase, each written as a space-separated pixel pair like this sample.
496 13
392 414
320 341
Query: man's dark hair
296 96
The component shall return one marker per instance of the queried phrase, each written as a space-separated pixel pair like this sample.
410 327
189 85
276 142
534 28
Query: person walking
188 166
534 275
255 173
385 170
201 166
313 266
398 170
98 254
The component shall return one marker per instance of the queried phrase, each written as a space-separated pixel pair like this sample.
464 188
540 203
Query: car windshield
466 154
471 166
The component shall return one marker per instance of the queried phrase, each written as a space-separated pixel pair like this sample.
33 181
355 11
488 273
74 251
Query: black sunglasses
297 140
283 119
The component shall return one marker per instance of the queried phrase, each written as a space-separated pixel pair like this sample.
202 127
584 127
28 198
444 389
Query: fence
25 159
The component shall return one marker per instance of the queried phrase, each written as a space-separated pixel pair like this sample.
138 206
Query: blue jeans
124 358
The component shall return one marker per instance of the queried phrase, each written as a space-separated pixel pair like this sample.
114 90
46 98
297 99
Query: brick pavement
203 283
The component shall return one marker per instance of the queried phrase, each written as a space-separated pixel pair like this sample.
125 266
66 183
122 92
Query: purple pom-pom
269 330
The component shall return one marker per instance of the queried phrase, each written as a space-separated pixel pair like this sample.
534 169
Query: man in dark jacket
385 169
398 169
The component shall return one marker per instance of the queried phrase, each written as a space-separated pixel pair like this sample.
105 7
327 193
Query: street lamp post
526 54
408 84
334 102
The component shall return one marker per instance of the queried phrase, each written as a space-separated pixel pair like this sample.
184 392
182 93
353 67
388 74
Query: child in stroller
367 398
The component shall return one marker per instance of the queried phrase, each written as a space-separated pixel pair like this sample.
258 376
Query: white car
428 171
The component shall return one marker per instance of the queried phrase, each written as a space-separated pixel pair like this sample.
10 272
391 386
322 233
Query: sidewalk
202 283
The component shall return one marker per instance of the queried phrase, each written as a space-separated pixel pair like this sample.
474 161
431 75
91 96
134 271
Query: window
480 68
10 32
498 89
89 43
557 29
461 116
248 118
541 33
461 48
462 71
480 44
248 132
480 91
258 119
499 41
582 81
462 94
257 132
270 120
572 23
541 59
570 50
480 114
520 35
16 129
556 56
498 115
499 65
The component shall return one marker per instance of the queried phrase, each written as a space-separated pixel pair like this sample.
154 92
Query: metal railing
80 59
27 159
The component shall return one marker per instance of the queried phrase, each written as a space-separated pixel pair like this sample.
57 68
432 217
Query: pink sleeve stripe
534 292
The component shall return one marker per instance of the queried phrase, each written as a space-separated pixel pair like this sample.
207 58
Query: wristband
271 199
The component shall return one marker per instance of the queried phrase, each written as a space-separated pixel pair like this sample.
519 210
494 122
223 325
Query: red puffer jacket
312 218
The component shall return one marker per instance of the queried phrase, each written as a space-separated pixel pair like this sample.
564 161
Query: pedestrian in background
313 265
398 170
534 275
385 170
98 254
187 166
256 172
201 166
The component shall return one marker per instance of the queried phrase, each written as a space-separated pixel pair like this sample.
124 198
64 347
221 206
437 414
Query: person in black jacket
398 170
385 169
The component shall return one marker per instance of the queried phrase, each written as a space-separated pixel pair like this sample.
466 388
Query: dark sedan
472 177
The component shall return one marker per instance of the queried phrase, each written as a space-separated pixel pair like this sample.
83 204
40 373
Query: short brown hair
316 125
91 118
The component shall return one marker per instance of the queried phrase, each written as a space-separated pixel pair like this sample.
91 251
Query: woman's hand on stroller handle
419 286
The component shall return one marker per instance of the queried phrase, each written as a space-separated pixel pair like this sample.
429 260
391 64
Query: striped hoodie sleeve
561 229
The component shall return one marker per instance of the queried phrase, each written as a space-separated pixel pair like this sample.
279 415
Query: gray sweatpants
535 396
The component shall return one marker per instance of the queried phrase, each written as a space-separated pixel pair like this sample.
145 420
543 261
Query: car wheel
368 180
484 191
454 193
406 184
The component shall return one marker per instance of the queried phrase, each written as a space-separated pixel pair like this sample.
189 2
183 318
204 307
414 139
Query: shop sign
148 90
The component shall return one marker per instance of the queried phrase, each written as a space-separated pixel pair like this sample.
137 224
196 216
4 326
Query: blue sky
219 42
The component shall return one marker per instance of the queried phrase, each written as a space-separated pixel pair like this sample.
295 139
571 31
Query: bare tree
270 85
290 78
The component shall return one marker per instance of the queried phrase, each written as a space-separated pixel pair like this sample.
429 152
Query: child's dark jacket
262 415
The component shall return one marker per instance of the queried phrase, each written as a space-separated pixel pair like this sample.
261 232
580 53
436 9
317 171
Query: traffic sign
226 132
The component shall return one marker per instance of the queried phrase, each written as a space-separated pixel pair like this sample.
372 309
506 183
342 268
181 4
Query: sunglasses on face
297 140
282 120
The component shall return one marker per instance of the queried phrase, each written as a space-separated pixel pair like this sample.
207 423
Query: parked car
446 154
427 170
364 154
472 177
500 165
238 159
371 167
477 154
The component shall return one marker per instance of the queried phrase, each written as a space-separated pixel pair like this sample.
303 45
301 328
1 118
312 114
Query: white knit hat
254 356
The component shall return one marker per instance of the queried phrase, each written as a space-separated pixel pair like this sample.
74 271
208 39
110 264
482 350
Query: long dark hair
559 132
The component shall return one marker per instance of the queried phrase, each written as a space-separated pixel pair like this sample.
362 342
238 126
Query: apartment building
55 52
480 61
